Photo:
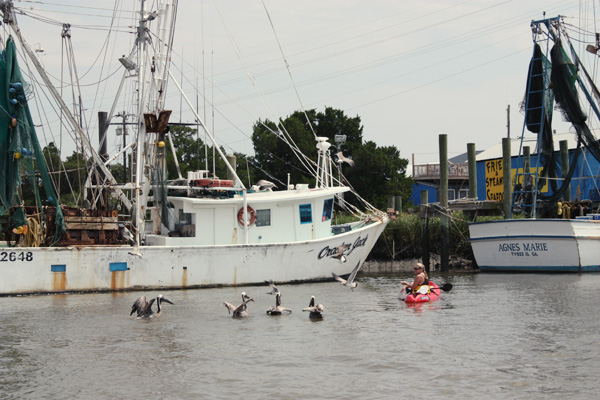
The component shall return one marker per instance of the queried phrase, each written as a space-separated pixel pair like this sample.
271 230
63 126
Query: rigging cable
287 66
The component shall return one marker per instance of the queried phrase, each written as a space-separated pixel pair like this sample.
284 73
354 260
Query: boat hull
540 245
116 268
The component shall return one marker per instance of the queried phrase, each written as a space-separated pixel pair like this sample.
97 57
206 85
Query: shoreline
406 265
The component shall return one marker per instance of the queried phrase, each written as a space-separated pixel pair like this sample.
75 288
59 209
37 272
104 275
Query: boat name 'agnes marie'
552 226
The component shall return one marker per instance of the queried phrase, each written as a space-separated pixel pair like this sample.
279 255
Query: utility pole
508 121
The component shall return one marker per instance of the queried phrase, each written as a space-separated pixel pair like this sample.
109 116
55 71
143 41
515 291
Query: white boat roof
267 196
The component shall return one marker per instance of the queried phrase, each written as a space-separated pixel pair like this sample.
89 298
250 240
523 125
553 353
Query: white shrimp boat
217 233
559 242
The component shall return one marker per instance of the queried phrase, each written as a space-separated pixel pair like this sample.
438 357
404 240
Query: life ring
251 215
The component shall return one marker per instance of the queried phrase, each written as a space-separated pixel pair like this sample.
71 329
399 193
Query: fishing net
20 151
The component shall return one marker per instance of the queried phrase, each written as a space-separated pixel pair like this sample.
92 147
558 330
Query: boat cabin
270 214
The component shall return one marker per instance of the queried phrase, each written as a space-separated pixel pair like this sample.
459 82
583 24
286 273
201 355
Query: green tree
379 172
189 149
192 156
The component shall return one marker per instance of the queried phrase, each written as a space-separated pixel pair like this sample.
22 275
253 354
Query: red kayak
424 298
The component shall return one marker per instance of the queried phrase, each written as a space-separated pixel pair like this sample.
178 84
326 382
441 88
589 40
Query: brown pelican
350 282
315 311
240 311
277 309
339 254
264 184
144 308
274 289
339 157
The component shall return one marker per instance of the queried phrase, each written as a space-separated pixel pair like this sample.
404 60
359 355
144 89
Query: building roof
495 152
462 158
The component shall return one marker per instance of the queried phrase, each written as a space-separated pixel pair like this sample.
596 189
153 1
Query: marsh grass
402 237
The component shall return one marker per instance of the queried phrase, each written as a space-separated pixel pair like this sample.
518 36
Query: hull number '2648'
6 256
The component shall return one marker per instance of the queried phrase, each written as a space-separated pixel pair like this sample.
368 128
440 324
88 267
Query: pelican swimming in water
350 282
315 311
144 308
274 289
277 309
240 311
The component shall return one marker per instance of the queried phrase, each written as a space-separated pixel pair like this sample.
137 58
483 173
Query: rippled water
494 335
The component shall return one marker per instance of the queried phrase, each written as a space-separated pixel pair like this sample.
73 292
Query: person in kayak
421 280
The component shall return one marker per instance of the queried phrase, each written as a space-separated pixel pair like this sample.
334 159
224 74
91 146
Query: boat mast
152 75
10 19
140 206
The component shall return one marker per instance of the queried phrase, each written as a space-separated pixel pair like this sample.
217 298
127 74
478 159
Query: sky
411 70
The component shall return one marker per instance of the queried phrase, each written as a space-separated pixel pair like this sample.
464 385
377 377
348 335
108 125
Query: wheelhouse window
305 213
185 218
263 217
185 228
327 210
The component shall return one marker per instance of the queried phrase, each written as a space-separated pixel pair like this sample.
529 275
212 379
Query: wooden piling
444 218
398 204
506 166
391 202
564 165
425 256
472 170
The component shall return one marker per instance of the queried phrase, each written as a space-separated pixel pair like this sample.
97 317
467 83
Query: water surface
494 335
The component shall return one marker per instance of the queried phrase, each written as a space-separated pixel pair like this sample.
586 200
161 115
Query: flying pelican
274 289
144 308
339 157
339 254
315 311
264 184
240 311
126 234
277 309
350 282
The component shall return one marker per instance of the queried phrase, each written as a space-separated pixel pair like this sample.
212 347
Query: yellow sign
494 182
542 183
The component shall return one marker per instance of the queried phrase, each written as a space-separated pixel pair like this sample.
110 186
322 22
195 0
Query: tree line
378 172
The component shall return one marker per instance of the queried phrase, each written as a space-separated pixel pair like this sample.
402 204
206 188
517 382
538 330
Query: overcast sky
411 70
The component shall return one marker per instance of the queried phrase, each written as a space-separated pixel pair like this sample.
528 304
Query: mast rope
287 66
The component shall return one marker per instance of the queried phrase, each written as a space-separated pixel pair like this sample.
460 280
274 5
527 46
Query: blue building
490 185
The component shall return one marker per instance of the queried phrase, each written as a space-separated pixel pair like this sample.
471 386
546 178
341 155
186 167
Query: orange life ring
251 215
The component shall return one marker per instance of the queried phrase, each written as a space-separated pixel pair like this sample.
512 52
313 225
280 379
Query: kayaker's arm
416 283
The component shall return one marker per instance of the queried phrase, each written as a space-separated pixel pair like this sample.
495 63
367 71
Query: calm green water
499 336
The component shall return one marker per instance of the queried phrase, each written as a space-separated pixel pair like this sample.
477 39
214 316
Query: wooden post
506 166
398 204
472 171
564 165
444 219
425 256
